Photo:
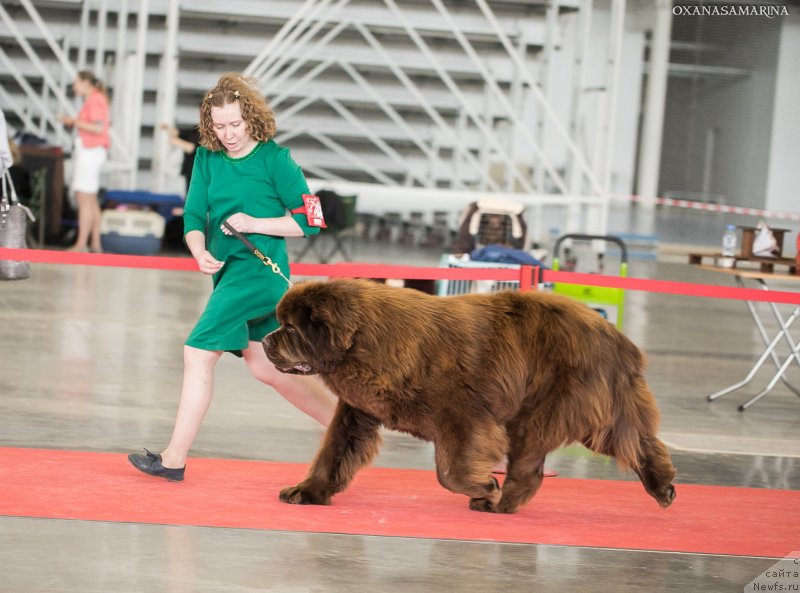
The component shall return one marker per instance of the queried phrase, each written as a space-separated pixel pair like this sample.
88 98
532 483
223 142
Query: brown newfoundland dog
481 376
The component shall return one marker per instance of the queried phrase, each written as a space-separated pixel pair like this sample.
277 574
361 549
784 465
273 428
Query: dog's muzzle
298 368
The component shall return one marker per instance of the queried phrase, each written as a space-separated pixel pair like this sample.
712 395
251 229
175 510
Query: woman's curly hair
233 87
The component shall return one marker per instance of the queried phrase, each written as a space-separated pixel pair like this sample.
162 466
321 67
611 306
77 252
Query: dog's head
319 321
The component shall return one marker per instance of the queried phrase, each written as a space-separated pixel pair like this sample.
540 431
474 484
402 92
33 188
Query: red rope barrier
527 276
187 264
671 287
47 256
358 270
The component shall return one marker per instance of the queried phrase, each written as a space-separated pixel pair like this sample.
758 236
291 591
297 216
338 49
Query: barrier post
528 277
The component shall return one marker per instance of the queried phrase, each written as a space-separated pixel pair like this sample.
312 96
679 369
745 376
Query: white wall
595 77
737 102
783 181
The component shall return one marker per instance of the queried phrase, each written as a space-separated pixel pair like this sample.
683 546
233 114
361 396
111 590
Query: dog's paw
481 504
299 495
667 497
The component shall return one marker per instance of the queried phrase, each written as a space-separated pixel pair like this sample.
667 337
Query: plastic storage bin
136 232
452 287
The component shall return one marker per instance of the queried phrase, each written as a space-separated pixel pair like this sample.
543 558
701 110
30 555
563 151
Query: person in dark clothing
187 139
20 176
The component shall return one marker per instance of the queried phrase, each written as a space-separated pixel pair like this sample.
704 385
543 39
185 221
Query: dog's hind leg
352 440
465 456
656 470
524 476
650 460
523 480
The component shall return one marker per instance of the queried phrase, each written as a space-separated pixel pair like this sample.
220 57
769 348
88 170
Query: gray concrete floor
92 361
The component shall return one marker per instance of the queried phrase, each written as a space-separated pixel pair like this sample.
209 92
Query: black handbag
14 219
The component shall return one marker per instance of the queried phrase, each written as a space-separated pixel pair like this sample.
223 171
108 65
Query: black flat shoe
151 464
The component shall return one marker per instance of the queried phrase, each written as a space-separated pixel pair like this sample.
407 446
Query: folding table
770 343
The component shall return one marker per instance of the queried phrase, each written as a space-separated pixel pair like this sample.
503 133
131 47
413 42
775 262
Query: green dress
264 184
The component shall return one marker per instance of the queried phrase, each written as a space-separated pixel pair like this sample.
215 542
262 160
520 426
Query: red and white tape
694 205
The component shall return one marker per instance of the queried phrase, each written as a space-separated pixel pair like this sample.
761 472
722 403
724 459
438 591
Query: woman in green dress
243 177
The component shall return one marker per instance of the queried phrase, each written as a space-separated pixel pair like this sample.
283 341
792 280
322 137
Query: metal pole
597 218
64 81
517 99
292 46
539 97
42 121
281 78
100 44
485 153
37 62
369 133
459 156
353 158
299 106
310 75
460 151
135 126
498 93
119 129
31 94
388 109
166 98
582 32
655 98
612 85
84 23
269 48
60 54
15 107
545 63
451 85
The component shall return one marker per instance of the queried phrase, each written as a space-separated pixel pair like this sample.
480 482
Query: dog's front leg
351 441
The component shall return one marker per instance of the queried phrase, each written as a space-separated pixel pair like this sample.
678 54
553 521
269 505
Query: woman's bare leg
85 219
198 386
94 233
307 394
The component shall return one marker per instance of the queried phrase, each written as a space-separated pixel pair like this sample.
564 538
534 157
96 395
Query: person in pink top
91 150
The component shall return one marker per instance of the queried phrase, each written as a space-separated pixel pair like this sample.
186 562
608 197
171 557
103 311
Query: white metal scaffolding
444 136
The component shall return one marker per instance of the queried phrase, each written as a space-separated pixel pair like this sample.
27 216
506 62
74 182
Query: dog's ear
336 321
327 313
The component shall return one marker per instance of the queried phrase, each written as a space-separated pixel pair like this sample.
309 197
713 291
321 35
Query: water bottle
728 247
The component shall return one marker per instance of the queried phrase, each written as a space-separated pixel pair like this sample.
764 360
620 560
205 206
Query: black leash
254 250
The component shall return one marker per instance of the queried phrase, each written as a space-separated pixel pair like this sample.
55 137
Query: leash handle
255 251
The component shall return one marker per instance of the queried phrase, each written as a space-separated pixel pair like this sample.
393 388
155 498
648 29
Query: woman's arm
176 140
196 242
282 226
93 127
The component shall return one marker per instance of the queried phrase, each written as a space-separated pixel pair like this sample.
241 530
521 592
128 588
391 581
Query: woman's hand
171 130
67 120
242 223
207 263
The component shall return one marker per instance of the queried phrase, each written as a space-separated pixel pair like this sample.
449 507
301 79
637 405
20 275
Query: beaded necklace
241 159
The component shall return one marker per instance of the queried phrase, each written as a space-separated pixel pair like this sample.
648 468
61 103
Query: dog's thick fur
481 376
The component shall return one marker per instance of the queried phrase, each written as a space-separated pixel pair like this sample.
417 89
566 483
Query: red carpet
405 503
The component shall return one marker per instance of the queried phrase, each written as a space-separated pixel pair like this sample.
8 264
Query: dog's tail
631 417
